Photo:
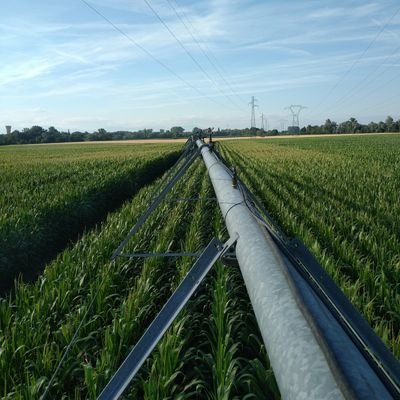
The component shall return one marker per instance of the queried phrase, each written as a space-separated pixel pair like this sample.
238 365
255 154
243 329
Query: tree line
353 126
37 134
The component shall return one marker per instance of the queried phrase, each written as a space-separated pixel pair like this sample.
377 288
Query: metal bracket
228 257
164 319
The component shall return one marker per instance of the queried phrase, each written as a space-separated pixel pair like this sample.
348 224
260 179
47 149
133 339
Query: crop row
213 350
340 196
51 193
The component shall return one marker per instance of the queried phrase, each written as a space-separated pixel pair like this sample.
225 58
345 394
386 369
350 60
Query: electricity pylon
295 110
282 122
262 122
253 113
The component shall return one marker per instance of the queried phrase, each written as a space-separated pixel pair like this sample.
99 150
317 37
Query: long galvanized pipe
299 364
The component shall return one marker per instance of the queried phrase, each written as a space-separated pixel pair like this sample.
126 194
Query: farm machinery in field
319 345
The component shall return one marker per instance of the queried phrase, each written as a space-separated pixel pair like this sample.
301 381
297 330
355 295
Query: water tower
8 129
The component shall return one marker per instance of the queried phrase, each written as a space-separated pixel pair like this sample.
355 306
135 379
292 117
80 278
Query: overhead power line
187 51
222 71
177 39
374 91
148 53
361 85
212 63
357 60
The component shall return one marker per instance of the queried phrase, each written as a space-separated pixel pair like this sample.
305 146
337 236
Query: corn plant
340 196
209 352
51 193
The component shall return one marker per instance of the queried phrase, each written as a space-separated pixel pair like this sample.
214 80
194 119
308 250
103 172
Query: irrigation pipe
300 366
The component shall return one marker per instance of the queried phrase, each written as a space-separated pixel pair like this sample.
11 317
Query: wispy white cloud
75 61
26 70
19 29
364 10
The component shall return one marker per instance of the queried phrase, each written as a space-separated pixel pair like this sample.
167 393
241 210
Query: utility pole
282 122
295 110
253 113
262 122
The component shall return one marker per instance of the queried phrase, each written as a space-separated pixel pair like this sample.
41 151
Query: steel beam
300 366
166 254
164 319
190 158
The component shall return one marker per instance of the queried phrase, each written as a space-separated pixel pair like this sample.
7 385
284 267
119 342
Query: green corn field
50 193
338 195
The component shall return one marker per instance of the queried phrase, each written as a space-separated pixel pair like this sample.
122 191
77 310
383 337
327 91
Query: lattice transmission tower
295 109
253 111
264 123
282 122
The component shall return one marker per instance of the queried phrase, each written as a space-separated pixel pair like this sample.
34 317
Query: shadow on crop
25 252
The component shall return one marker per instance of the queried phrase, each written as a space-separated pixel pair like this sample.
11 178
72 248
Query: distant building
8 129
293 129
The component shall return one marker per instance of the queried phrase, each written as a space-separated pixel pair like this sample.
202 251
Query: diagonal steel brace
164 319
181 171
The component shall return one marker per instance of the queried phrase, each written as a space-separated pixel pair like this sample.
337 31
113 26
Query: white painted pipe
299 364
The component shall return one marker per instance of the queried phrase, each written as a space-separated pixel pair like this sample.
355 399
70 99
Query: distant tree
254 131
77 137
34 134
372 127
177 131
341 128
101 134
389 123
381 127
50 136
329 126
353 126
396 126
316 129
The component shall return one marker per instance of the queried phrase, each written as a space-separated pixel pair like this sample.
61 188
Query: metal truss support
164 319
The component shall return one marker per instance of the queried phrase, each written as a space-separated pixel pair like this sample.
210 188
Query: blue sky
63 65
